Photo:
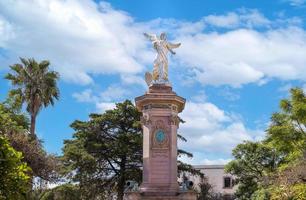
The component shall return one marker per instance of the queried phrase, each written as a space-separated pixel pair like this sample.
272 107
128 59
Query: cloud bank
84 38
79 37
211 130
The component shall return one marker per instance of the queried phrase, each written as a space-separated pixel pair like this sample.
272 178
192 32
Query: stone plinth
160 107
180 196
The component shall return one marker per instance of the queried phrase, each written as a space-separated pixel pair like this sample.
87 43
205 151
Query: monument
160 106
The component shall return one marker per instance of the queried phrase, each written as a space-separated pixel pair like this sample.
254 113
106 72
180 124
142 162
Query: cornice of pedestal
160 96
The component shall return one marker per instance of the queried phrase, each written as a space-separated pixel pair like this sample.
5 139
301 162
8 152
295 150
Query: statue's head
163 36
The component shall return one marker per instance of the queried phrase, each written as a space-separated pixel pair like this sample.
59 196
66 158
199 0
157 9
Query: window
227 182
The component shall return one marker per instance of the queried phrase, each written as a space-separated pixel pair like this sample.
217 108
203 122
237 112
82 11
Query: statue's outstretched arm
173 46
151 37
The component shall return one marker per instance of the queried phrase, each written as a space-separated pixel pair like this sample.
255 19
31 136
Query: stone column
160 107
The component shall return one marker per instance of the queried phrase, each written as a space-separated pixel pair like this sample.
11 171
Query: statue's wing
151 37
173 46
148 78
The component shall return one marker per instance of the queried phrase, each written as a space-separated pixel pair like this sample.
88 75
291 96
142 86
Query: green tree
287 134
252 163
205 190
274 168
14 179
11 121
287 131
106 151
14 126
34 85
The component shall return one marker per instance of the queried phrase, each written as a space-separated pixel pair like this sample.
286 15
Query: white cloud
113 92
244 56
6 31
210 130
203 116
228 94
244 17
103 100
103 106
133 79
200 97
296 2
85 96
80 37
229 20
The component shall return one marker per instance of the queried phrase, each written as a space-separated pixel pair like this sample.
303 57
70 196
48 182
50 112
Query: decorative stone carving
160 135
174 119
161 106
160 139
145 119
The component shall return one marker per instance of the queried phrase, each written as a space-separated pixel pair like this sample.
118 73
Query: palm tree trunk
33 123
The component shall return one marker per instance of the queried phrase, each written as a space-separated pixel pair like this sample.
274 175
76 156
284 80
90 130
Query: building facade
222 183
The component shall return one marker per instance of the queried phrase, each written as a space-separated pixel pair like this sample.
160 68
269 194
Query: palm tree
34 85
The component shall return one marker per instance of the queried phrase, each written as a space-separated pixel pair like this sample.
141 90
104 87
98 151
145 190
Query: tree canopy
34 85
14 127
105 151
274 168
14 178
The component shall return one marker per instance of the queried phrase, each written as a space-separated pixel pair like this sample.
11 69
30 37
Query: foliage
184 167
43 165
11 121
275 167
205 190
106 151
291 182
253 162
14 179
62 192
14 126
261 194
34 85
287 132
291 192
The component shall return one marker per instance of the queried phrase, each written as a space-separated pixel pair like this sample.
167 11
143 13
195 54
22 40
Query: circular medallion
160 136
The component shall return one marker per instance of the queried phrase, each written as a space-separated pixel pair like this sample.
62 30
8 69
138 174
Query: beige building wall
215 175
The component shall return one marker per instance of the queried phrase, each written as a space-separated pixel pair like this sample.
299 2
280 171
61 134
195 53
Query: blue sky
237 60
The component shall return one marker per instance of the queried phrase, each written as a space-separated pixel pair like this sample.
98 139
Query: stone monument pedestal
189 195
160 107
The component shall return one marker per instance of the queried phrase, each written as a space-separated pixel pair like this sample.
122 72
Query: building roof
208 166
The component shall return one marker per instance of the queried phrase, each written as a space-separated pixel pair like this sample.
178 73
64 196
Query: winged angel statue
160 69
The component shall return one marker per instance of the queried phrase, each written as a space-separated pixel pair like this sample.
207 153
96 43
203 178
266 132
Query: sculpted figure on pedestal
162 47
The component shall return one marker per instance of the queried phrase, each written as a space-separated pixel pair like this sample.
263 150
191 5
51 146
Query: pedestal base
190 195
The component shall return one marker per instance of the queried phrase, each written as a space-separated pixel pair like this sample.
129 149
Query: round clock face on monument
160 136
